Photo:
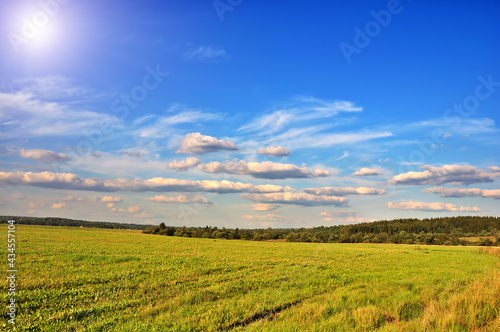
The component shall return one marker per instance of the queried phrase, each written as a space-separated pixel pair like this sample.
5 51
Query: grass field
81 279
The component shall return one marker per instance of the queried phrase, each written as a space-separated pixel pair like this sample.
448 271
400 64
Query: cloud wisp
464 192
297 199
436 206
344 191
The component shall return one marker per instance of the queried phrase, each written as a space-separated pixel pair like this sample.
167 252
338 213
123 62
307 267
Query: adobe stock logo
31 27
372 29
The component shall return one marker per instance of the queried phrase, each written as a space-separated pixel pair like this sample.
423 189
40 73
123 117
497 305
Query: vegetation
55 221
89 279
447 231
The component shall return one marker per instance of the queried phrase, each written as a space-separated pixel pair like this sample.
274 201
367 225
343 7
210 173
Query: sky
249 114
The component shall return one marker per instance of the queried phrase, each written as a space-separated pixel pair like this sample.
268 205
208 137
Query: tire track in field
266 314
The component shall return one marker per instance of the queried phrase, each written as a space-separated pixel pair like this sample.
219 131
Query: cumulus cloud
263 170
297 199
274 151
58 205
461 192
72 181
365 171
264 207
196 143
494 168
109 199
184 165
454 174
133 209
180 199
436 206
35 205
269 216
80 199
344 191
110 205
44 156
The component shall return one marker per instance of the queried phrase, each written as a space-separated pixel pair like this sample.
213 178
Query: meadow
84 279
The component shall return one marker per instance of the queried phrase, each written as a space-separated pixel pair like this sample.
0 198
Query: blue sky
249 114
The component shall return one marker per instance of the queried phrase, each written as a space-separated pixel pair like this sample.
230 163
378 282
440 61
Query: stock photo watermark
454 117
11 272
223 6
32 26
363 36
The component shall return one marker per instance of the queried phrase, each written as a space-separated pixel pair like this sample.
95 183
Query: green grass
81 279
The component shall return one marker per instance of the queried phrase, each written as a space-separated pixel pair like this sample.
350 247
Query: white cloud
35 205
206 54
264 207
344 191
269 216
180 199
133 209
494 168
44 156
110 205
454 174
58 205
184 165
80 199
344 216
461 192
466 127
302 109
436 206
110 199
263 170
196 143
162 126
365 171
297 199
72 181
274 151
25 116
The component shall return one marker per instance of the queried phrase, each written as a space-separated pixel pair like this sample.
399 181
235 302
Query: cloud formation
44 156
184 165
264 207
180 199
269 216
454 174
344 191
263 170
206 54
436 206
72 181
110 199
365 171
297 199
196 143
461 192
344 216
274 151
58 205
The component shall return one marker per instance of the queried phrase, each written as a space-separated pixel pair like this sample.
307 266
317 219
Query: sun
37 28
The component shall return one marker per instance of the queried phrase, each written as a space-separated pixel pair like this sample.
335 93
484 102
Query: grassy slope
97 279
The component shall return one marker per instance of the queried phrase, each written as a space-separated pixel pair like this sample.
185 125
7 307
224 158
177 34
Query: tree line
55 221
438 231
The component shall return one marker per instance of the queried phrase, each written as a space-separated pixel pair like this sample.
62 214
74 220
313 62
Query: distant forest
462 230
54 221
439 231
